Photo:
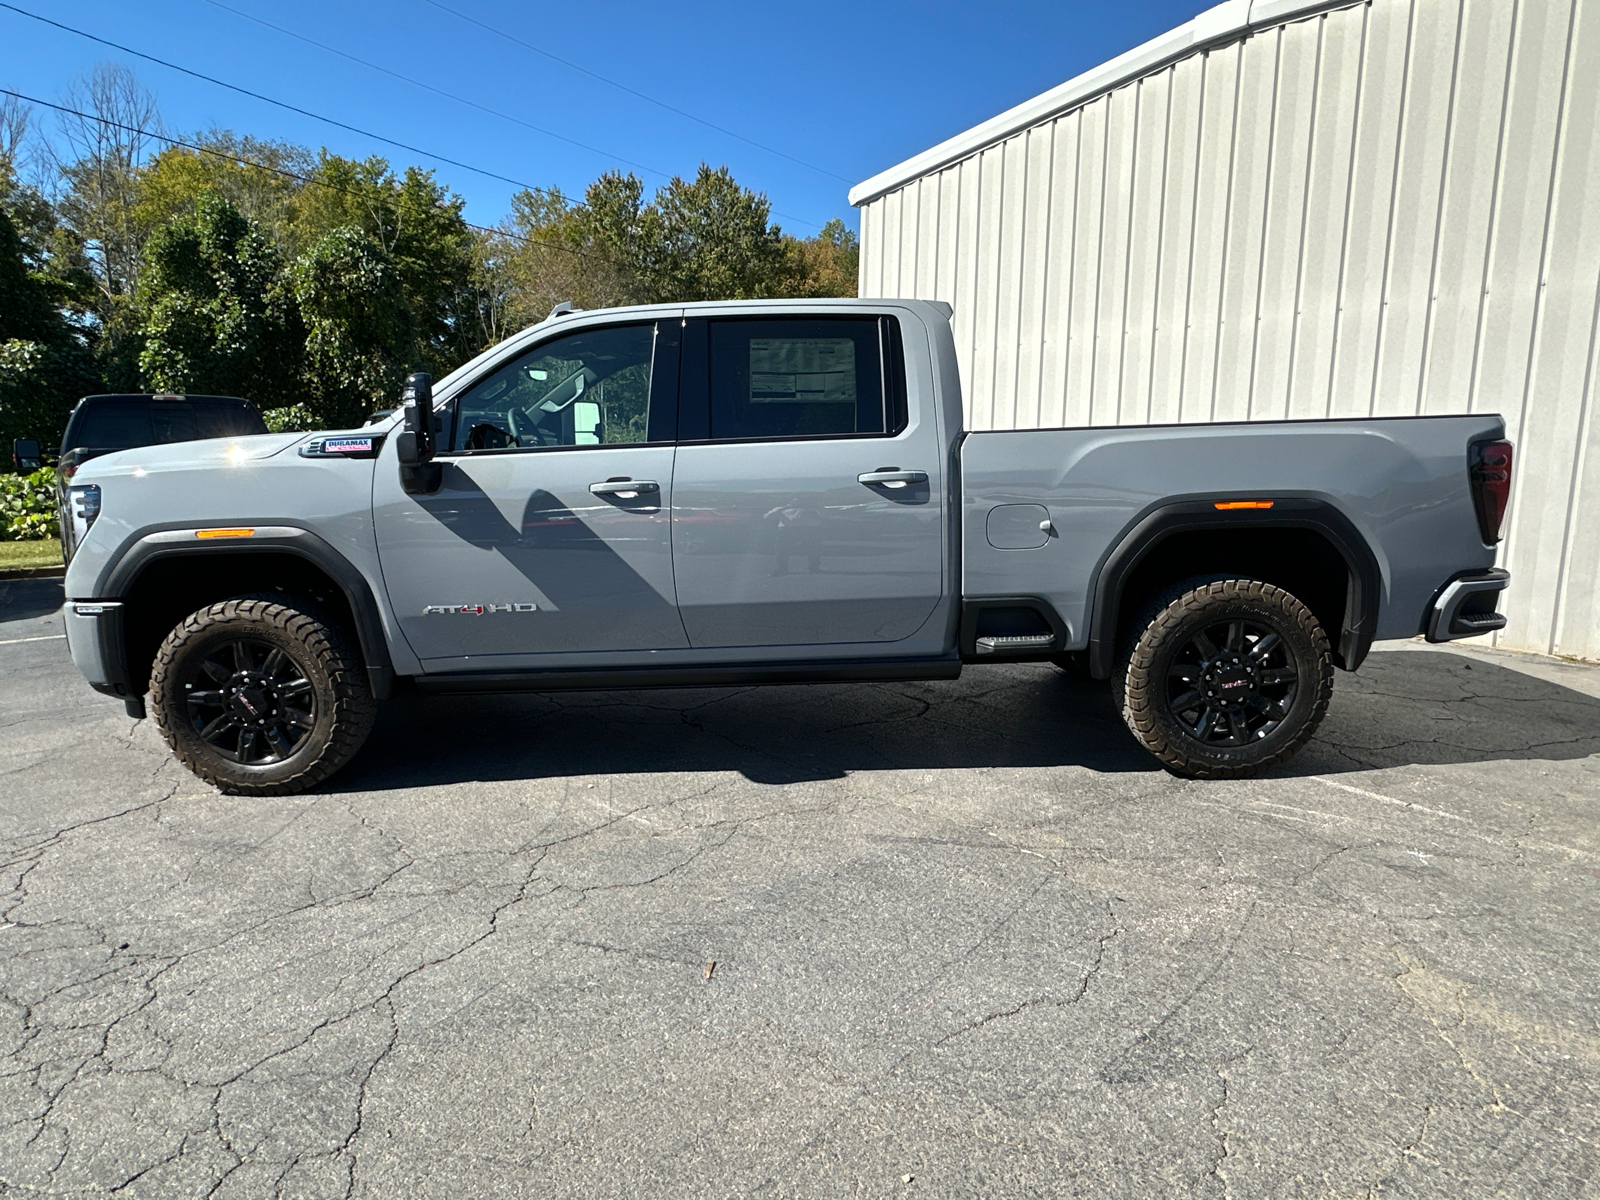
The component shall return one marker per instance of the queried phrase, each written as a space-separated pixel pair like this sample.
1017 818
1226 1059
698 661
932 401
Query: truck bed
1401 483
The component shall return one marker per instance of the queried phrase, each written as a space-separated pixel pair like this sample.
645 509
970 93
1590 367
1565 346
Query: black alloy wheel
1222 678
1232 683
264 695
250 700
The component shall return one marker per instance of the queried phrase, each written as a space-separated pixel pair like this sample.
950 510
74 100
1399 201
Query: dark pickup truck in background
105 424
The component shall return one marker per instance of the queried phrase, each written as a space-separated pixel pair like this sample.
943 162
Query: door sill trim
715 675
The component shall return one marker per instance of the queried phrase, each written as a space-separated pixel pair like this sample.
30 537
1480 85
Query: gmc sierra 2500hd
763 492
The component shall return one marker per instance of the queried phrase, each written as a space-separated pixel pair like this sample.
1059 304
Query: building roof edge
1227 22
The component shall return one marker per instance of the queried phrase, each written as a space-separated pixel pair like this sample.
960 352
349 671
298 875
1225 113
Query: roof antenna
562 309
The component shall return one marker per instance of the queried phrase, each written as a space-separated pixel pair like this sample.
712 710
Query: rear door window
806 378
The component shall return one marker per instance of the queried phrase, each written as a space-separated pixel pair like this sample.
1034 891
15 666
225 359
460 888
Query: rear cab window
105 423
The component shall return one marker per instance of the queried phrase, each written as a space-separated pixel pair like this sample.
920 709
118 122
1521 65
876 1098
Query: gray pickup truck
763 492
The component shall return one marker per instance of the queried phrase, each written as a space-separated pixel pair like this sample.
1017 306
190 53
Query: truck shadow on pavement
1403 708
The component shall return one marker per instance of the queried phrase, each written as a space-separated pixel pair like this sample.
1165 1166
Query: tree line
310 283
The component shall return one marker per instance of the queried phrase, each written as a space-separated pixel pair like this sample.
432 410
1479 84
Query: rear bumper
1466 607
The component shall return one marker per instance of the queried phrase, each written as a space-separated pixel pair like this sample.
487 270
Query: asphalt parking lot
966 942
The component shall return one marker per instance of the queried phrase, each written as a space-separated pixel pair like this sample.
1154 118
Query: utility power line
310 180
632 91
304 112
437 91
299 37
328 120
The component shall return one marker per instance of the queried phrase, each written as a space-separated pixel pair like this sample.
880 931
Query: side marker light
224 533
1229 505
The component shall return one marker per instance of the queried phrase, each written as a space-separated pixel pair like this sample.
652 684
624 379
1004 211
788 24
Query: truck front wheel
261 695
1224 678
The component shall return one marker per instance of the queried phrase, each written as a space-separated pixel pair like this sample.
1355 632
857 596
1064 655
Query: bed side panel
1402 483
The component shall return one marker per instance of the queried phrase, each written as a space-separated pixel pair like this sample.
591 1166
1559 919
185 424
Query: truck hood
228 451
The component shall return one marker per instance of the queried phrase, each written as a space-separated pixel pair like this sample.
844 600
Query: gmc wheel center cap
1229 681
251 701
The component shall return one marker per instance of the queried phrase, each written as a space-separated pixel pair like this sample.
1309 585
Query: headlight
84 504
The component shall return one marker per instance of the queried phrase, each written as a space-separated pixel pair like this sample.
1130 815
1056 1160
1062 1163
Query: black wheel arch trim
278 537
1199 513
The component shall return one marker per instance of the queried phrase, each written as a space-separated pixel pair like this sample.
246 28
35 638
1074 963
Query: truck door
550 532
808 503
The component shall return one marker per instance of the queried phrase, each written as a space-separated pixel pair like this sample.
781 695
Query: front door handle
627 489
892 477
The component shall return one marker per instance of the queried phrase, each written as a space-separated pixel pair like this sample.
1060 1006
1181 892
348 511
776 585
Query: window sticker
803 370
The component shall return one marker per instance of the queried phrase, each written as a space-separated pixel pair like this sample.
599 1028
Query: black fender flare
1155 524
177 540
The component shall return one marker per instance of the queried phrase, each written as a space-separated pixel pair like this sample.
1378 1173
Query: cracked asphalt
966 942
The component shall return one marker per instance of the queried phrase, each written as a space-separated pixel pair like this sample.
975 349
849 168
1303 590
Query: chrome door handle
891 477
626 488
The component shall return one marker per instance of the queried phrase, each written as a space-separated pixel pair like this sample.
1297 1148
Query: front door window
591 388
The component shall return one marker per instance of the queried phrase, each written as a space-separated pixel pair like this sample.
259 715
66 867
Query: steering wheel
524 427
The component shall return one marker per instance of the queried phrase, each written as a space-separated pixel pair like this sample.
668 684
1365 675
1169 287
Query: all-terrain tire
341 707
1160 656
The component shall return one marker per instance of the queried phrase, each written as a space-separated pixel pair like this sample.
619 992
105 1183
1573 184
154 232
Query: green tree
551 249
45 366
709 239
613 227
426 243
98 202
26 311
39 384
265 193
701 239
826 265
218 317
359 331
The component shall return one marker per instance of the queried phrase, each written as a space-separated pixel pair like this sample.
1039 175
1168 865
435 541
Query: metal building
1288 208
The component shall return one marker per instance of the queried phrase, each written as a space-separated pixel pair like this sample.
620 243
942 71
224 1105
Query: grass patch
35 552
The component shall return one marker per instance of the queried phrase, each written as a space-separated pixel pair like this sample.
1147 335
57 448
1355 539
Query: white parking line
1345 787
53 637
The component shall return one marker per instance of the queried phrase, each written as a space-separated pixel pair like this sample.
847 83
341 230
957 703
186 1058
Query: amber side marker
224 533
1227 505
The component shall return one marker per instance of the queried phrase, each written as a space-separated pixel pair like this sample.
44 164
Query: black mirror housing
414 447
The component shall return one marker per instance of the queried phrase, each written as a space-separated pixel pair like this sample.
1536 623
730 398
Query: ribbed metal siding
1387 209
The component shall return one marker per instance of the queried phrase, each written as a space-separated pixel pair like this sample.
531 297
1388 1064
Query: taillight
1490 471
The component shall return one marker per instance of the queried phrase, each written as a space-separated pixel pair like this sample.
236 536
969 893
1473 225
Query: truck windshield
123 422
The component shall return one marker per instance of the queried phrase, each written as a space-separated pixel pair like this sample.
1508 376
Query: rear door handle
625 488
892 477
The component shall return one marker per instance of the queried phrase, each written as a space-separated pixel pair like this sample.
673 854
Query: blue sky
845 88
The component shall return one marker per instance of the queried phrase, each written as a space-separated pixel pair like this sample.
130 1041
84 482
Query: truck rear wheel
1224 678
261 695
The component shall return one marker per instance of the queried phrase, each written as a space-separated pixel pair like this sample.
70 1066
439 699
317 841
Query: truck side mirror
25 455
419 474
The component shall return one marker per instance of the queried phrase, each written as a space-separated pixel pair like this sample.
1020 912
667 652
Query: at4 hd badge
478 610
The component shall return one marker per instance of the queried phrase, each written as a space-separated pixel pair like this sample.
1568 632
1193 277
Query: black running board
679 676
